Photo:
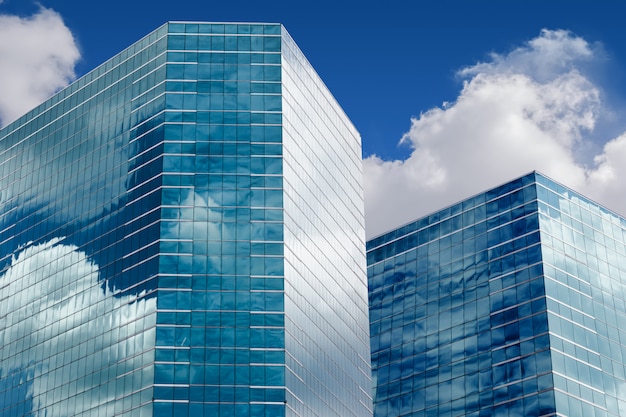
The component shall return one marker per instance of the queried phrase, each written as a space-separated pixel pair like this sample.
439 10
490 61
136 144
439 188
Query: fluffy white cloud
531 109
51 299
551 54
37 58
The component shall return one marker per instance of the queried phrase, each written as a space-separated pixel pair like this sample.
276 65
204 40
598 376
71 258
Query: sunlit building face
181 233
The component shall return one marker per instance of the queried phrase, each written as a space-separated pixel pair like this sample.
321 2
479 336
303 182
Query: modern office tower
510 303
181 233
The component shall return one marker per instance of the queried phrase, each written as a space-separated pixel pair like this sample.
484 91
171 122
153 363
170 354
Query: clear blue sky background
385 61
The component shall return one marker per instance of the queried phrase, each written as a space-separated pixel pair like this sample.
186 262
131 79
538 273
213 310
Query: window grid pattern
584 252
78 314
220 347
458 314
148 264
327 335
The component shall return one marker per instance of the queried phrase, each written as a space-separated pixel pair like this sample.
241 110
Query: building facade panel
585 268
507 303
458 312
220 319
324 257
154 229
78 323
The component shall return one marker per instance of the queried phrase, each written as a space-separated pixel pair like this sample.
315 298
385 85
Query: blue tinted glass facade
162 247
584 254
505 304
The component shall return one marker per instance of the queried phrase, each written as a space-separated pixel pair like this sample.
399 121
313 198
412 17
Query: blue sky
393 64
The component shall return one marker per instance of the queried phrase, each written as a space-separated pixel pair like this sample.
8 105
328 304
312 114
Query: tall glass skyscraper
510 303
181 233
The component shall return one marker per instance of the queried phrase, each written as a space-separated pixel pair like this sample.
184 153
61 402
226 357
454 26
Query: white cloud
531 109
37 58
51 299
551 54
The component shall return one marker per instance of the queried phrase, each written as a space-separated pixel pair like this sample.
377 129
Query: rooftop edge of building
173 27
168 28
479 198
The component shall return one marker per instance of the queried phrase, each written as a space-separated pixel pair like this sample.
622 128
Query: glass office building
510 303
181 233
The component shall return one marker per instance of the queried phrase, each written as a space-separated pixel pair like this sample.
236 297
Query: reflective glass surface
170 237
326 314
458 312
584 254
506 304
220 333
79 233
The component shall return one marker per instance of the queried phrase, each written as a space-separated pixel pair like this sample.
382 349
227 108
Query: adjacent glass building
181 233
510 303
